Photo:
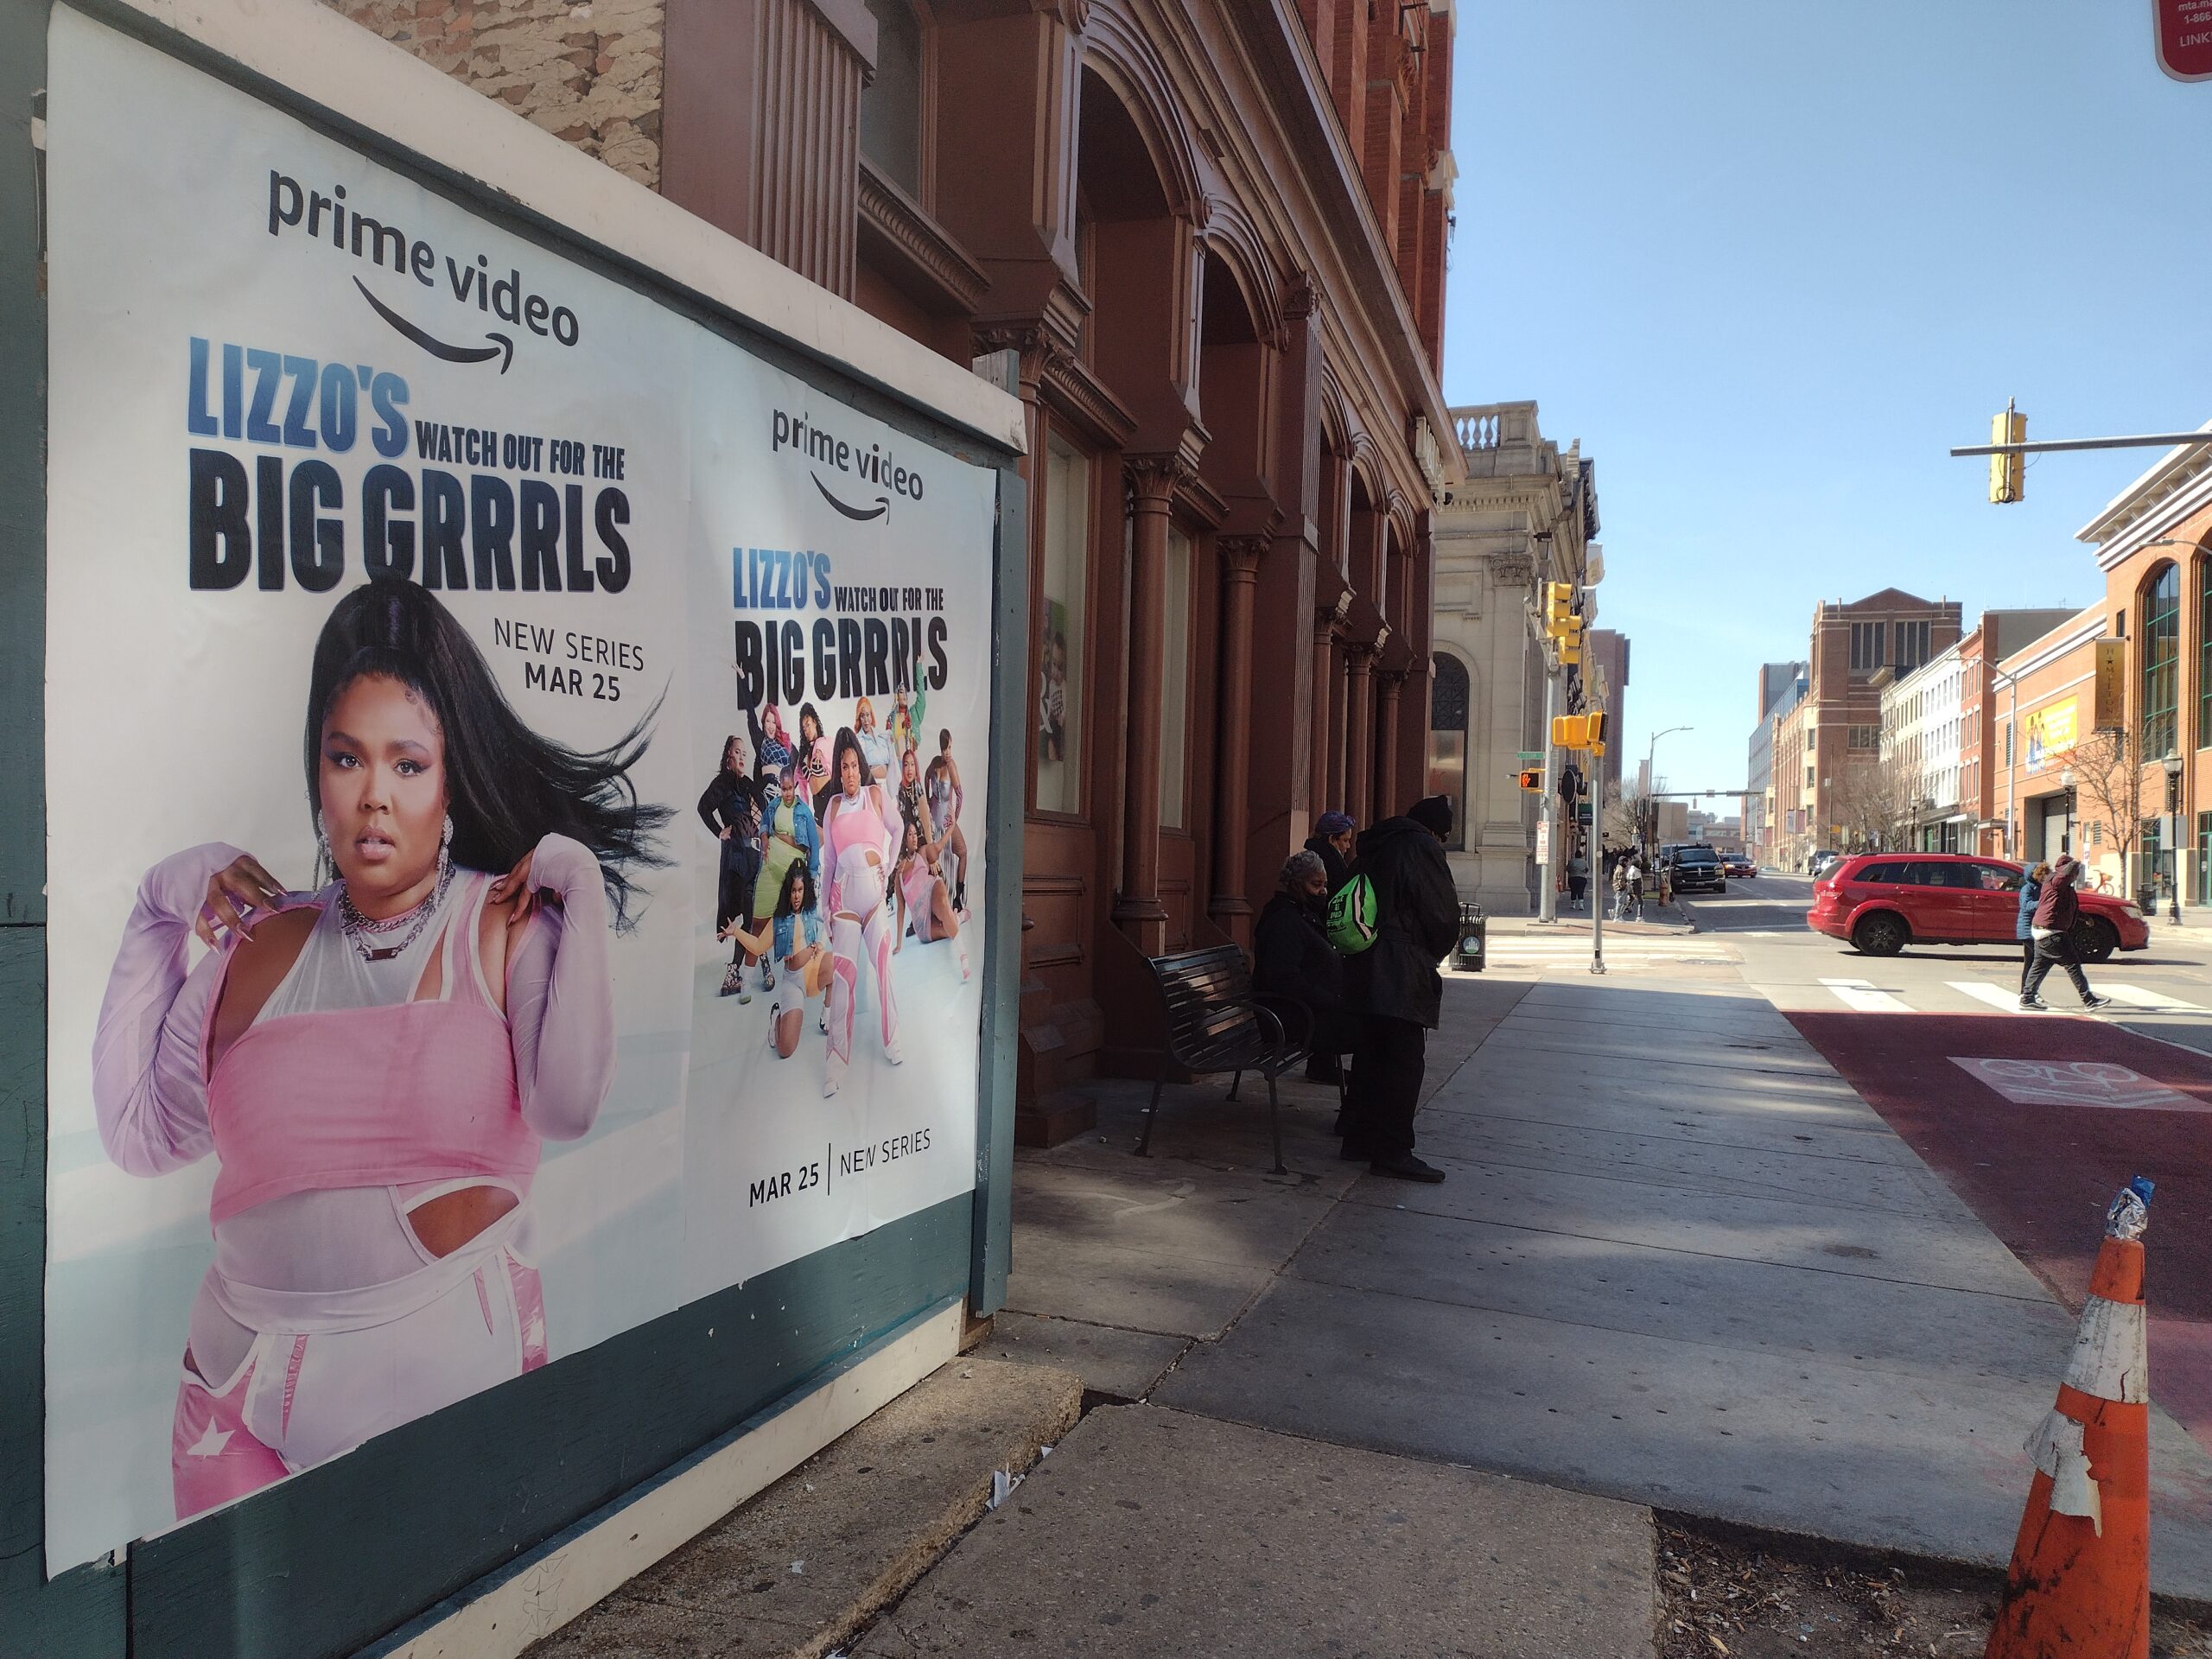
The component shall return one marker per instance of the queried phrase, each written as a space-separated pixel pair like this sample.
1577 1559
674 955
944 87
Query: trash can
1474 939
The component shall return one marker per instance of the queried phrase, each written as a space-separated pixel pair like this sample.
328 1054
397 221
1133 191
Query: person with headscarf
1292 956
1331 842
2052 929
1395 987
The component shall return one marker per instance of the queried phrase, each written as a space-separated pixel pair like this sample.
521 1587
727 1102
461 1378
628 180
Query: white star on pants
209 1444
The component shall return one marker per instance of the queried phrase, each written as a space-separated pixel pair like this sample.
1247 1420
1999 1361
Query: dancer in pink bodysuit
374 1065
859 834
922 892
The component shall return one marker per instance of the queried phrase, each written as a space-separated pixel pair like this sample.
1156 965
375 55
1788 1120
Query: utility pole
1547 877
1597 888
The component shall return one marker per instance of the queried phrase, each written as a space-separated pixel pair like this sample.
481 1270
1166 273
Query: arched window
2160 646
891 103
1447 742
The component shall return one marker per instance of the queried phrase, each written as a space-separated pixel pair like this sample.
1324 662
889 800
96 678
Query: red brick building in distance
1213 233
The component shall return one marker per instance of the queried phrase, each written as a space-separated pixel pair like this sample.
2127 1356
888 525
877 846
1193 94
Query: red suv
1882 902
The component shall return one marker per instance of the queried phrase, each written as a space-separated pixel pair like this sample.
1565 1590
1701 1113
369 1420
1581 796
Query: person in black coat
1292 956
1331 842
1396 986
730 808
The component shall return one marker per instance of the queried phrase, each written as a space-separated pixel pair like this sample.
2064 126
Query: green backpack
1352 914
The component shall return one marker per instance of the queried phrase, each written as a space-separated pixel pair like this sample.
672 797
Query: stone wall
587 71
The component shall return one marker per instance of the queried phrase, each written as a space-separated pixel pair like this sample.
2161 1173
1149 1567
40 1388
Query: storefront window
2161 648
1447 743
2200 885
1174 678
1059 652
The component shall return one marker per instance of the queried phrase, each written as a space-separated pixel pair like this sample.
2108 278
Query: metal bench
1216 1022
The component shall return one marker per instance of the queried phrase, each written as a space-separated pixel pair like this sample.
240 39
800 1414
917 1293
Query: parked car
1881 902
1743 866
1694 867
1819 863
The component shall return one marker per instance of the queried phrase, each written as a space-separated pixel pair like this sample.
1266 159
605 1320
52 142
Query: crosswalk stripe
1860 995
2004 1001
2135 996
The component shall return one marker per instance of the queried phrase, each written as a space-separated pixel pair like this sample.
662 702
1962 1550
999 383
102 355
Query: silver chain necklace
367 936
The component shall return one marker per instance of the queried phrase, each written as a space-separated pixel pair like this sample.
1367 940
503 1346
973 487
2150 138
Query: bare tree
1876 805
1625 817
2109 782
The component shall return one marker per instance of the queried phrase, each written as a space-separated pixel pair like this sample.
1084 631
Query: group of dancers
834 850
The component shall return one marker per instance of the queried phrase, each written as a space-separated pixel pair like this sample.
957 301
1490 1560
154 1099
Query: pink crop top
421 1090
873 821
389 1095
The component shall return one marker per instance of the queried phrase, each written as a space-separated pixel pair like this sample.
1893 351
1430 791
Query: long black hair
803 873
506 786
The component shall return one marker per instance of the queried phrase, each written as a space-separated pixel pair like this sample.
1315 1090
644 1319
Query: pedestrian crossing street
1863 996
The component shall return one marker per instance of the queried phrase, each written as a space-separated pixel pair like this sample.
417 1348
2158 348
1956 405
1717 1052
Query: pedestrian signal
1594 728
2008 474
1532 779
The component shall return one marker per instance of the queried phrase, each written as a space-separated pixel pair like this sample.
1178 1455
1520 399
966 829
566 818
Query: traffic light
1594 730
2008 474
1570 641
1532 779
1570 731
1558 596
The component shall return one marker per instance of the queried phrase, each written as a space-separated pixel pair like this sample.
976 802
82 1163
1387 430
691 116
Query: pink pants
300 1397
862 889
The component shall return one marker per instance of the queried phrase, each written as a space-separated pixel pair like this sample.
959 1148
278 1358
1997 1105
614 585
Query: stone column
1387 792
1240 567
1152 481
1359 732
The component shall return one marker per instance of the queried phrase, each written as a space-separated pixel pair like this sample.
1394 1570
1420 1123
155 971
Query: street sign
2183 28
1582 812
1532 757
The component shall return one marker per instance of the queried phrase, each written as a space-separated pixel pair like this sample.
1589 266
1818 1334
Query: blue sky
1769 261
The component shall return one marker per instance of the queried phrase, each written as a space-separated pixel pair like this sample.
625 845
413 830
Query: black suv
1692 869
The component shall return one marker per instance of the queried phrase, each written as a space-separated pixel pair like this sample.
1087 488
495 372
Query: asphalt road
2032 1119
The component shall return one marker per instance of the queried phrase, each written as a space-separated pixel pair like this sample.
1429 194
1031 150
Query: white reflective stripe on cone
2056 1448
2110 1359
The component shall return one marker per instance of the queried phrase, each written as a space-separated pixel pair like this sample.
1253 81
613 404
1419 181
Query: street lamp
1651 780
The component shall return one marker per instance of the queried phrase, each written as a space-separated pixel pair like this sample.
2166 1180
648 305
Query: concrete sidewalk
1679 1262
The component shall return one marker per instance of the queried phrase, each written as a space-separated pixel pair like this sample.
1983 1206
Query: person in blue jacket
2031 892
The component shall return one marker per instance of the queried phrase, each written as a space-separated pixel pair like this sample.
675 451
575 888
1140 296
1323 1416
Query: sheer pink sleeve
894 826
149 1093
560 995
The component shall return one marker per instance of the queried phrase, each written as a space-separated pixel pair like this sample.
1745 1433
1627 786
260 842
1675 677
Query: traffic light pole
1547 881
1598 887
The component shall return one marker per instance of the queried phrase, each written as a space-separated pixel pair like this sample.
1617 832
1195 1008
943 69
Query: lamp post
1652 782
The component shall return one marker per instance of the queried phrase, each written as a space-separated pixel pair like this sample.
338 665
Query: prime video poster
515 781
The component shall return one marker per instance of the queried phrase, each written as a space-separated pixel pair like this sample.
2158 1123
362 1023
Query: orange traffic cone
2080 1583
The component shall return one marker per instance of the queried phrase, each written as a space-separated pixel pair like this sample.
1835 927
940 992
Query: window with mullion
2160 644
2204 653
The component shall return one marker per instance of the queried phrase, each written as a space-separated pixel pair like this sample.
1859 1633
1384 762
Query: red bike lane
2036 1124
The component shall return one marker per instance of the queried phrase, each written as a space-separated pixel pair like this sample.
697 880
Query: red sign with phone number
2185 31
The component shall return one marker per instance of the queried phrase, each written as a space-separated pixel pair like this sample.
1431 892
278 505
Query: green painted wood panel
327 1562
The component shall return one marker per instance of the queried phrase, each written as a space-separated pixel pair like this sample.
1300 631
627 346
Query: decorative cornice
915 251
1077 392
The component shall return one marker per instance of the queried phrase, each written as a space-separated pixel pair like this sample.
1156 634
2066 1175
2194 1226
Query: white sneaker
893 1053
833 1073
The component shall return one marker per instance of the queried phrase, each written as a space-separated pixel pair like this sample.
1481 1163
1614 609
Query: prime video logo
822 447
